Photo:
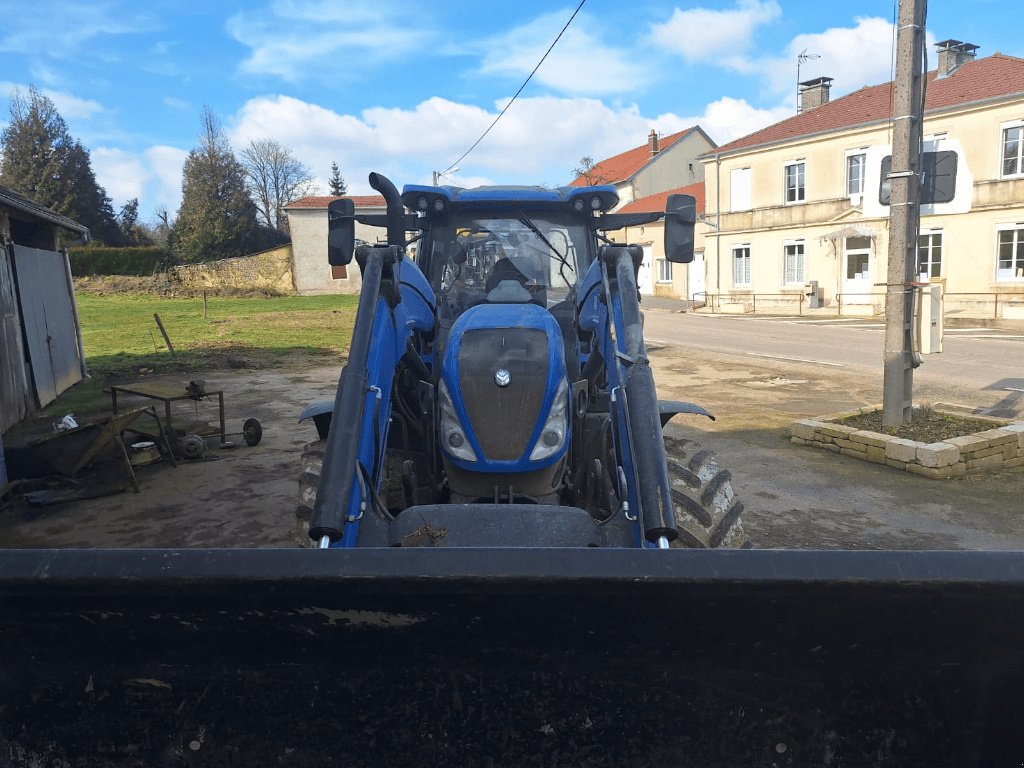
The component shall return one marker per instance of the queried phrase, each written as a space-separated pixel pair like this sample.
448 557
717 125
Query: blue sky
404 88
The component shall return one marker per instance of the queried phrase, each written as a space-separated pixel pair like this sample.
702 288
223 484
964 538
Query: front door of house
857 270
695 278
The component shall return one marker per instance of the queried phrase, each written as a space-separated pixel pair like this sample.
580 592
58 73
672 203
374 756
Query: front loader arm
634 406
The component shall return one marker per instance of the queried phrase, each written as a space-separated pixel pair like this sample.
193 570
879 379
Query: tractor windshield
533 256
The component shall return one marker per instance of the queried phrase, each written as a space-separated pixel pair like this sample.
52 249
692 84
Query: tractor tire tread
708 514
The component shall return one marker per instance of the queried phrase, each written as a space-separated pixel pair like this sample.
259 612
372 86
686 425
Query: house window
664 271
929 254
1010 254
1013 151
793 263
795 182
855 174
741 266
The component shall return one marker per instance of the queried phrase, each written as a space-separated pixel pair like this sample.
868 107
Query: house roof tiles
360 201
975 81
653 203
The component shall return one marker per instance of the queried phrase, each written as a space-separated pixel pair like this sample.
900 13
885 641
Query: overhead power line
503 111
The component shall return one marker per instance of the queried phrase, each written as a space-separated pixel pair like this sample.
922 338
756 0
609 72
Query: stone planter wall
1001 447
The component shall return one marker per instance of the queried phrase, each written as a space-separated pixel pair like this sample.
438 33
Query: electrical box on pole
904 213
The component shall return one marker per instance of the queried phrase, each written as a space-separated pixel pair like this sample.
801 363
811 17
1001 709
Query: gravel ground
795 497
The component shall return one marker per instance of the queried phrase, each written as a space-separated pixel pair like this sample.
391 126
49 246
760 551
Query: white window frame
747 272
1004 129
931 233
848 252
1018 241
664 271
852 155
799 266
800 188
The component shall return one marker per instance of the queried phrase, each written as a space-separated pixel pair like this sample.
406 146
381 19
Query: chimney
814 93
652 142
952 54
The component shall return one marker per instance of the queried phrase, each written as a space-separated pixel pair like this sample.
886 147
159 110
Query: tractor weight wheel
309 480
252 432
707 511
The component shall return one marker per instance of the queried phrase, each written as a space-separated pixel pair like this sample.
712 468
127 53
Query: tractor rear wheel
309 479
707 511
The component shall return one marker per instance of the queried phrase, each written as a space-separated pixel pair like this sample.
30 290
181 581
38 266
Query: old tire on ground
309 479
707 512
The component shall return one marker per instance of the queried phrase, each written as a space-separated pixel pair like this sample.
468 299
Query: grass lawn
122 340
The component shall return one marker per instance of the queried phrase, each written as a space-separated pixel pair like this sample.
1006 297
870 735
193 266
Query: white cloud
164 181
726 119
61 29
175 103
580 63
525 147
301 41
120 173
712 37
854 56
154 176
67 104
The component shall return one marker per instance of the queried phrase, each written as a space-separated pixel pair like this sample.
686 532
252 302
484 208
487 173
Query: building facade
801 207
307 221
658 276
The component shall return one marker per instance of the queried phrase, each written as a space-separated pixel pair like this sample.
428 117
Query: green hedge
138 260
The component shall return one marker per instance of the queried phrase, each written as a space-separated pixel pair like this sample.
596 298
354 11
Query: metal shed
40 339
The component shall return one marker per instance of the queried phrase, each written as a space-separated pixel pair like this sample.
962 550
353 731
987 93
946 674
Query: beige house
663 163
307 221
802 205
658 276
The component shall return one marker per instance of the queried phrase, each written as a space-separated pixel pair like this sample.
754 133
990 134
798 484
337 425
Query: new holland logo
502 377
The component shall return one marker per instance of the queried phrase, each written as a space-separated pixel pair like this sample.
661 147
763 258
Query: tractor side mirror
341 232
680 219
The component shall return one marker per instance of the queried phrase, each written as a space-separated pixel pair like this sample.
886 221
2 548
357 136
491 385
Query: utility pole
904 214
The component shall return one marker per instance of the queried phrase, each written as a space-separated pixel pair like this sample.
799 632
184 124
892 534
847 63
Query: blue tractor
494 583
498 391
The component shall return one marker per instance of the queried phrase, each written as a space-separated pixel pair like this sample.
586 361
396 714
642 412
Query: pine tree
42 161
217 219
336 182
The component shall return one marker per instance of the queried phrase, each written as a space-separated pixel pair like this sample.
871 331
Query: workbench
167 394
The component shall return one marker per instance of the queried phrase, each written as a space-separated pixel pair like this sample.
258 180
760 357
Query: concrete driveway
795 497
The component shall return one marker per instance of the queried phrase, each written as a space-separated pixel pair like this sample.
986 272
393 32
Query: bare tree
274 177
590 171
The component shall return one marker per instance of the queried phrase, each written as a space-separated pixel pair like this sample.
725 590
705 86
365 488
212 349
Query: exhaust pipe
396 224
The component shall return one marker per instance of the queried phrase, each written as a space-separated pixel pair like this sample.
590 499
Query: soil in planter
926 425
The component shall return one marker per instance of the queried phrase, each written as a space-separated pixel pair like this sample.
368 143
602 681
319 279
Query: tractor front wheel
707 512
309 480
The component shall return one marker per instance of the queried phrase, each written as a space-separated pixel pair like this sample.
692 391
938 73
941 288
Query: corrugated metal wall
47 308
16 397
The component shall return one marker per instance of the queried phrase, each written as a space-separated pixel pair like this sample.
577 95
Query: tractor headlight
552 435
453 435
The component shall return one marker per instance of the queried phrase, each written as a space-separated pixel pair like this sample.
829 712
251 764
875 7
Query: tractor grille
503 418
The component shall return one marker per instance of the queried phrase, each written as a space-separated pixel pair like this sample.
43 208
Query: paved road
982 366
